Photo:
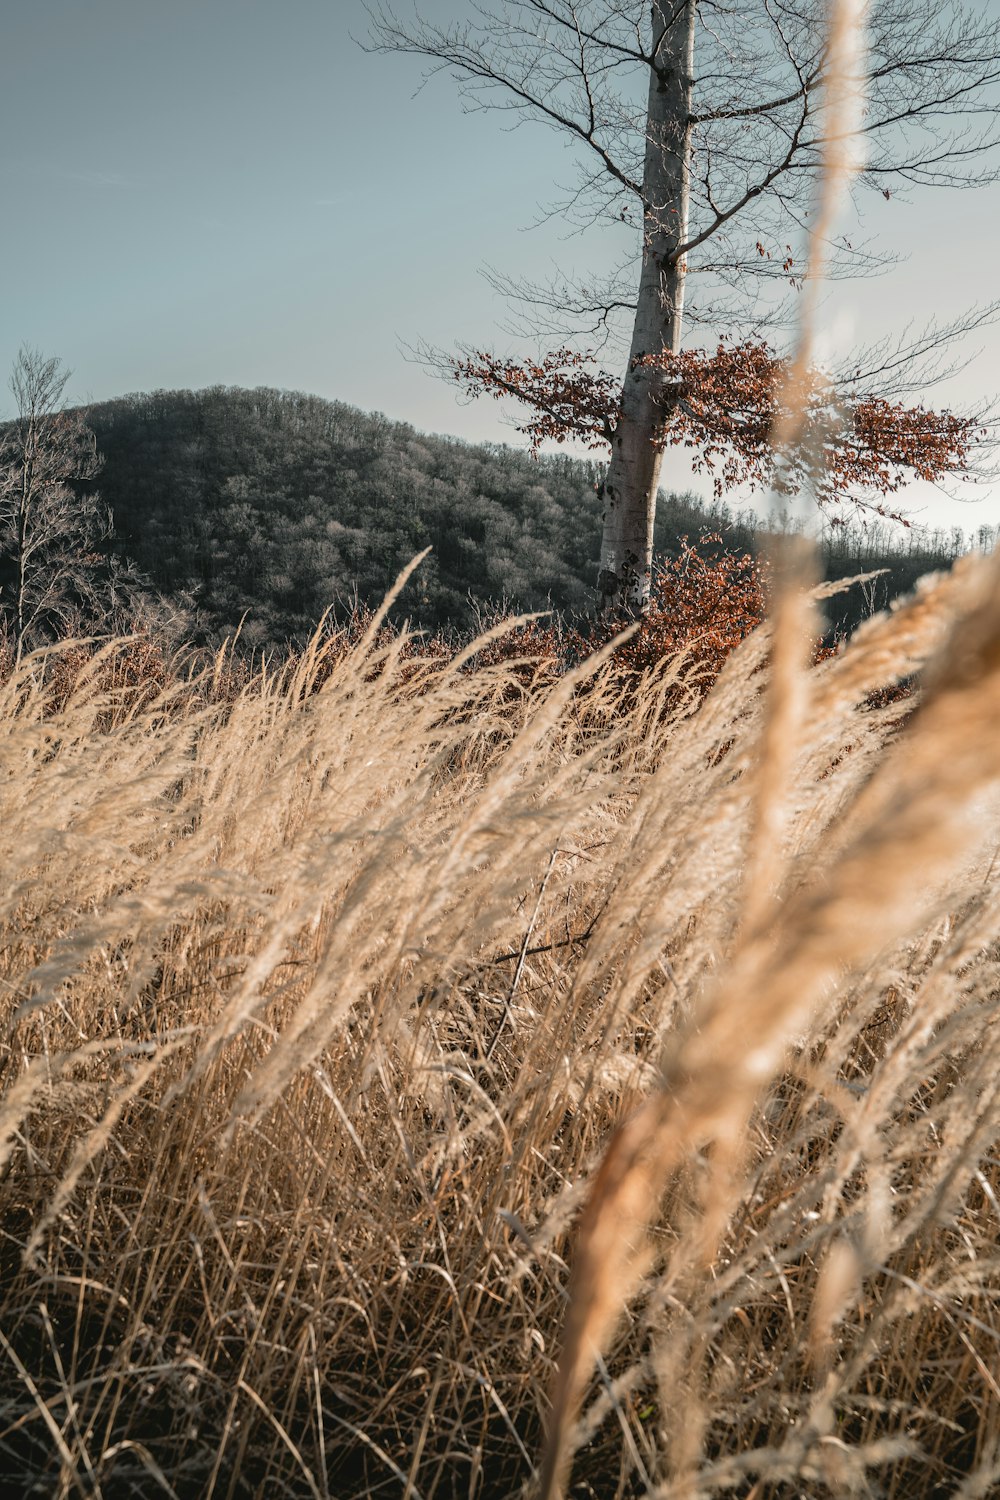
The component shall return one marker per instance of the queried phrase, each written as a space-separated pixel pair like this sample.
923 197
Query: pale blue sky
231 191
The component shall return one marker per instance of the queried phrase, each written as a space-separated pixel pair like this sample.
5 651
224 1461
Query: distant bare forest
274 505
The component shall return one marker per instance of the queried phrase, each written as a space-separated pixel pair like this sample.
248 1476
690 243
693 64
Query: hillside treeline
274 506
278 505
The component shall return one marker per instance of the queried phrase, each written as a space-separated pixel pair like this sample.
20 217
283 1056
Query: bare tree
698 123
53 574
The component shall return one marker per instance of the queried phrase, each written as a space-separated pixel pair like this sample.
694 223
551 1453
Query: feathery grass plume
794 564
633 1172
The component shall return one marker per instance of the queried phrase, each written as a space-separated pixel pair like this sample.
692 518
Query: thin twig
509 997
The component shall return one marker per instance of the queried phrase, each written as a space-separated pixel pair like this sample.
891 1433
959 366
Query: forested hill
275 505
278 504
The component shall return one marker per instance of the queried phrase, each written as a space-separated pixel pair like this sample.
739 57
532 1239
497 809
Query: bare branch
51 533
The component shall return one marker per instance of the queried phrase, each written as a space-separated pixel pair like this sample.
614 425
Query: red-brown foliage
704 602
720 405
566 396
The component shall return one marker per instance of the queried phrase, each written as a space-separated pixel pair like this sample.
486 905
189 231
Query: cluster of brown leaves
130 672
566 396
720 405
703 602
133 676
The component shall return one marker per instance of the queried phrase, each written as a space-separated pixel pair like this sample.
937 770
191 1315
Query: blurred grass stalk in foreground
799 936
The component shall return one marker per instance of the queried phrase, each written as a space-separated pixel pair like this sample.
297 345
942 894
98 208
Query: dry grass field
324 997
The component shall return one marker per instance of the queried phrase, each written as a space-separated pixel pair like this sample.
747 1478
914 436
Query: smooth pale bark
630 485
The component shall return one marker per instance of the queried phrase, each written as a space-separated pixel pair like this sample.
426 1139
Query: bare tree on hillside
53 575
698 123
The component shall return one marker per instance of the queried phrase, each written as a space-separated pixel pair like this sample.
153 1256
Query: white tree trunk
630 485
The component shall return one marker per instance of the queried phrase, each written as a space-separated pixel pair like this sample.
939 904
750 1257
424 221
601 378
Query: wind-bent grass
321 1006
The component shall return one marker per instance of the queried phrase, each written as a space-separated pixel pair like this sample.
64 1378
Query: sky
233 192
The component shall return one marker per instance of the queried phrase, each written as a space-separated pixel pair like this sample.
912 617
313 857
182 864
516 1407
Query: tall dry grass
404 1058
321 1006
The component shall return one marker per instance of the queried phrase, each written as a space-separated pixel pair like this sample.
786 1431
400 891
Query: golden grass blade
642 1154
380 615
